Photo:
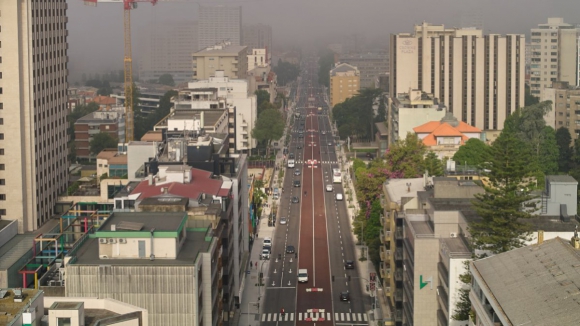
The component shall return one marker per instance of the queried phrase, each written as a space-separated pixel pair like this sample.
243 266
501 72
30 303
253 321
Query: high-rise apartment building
565 107
168 51
218 24
480 78
344 83
258 36
33 108
554 55
369 64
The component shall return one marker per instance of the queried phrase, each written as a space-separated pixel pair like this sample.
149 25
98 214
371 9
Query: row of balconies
385 271
384 253
385 236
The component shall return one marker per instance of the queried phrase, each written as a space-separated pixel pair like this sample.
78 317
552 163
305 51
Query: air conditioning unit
112 240
122 240
453 235
103 256
102 240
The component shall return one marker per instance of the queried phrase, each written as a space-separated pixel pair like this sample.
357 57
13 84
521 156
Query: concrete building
258 36
33 109
219 23
152 260
554 57
196 121
565 107
369 64
110 122
257 58
479 78
408 110
242 108
168 50
344 83
148 99
111 162
263 78
226 57
530 285
444 137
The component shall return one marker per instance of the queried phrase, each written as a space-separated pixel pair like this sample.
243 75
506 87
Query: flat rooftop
397 188
195 242
535 285
158 221
456 246
11 308
13 250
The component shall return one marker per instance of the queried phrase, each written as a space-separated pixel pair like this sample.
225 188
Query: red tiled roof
201 183
436 129
104 100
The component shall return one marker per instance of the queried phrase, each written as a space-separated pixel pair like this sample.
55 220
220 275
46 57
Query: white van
291 163
302 275
339 197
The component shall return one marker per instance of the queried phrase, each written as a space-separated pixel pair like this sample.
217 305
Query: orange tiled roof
104 100
436 129
431 126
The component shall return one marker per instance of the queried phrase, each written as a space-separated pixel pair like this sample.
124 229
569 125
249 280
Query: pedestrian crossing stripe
338 316
323 162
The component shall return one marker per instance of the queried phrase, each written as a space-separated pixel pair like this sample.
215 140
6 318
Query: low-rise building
111 162
344 83
106 103
263 78
258 58
110 122
229 58
444 137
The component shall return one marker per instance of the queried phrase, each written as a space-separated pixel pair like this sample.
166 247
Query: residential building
257 58
219 23
554 47
110 122
152 260
530 285
369 64
242 108
148 99
168 50
106 103
425 235
258 36
444 137
112 163
196 121
565 107
410 109
33 109
344 83
479 78
263 78
226 57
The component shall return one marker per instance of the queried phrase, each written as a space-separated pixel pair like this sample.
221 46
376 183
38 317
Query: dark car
290 249
295 200
344 296
291 156
296 183
349 264
297 172
299 146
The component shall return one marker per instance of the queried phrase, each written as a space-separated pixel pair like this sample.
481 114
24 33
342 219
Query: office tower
479 78
554 55
33 108
168 51
219 24
258 36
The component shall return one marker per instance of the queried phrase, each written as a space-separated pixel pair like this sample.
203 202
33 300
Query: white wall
456 268
163 248
137 154
411 118
107 304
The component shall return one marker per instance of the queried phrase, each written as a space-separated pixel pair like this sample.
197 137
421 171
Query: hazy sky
96 33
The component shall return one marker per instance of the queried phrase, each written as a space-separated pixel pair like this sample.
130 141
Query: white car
267 243
265 253
339 197
329 188
283 221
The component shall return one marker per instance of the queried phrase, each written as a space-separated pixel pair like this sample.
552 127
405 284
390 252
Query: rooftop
97 117
221 49
153 135
561 178
397 188
201 182
343 67
534 285
11 308
13 250
142 221
455 246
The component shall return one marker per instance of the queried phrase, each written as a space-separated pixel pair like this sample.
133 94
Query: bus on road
336 176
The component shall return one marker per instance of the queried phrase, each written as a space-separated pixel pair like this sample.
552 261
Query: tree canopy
269 125
433 164
166 79
325 63
564 141
474 153
286 72
406 156
101 141
356 116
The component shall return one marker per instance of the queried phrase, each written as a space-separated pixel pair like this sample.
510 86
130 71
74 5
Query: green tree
530 99
166 79
286 72
325 64
529 122
501 207
101 141
433 164
474 152
549 154
463 308
564 141
262 96
406 156
269 125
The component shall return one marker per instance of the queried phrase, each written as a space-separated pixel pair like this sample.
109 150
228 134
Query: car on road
297 172
291 156
301 136
290 249
329 143
344 296
265 253
295 200
302 275
299 146
323 132
329 188
349 264
283 220
267 244
296 183
339 197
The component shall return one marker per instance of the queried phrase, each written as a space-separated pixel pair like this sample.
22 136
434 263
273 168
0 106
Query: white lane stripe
342 316
264 317
299 316
328 316
365 317
359 317
347 317
291 316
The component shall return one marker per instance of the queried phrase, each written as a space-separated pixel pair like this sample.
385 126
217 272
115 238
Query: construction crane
128 5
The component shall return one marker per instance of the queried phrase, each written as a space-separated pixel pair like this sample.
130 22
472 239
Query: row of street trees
356 116
286 72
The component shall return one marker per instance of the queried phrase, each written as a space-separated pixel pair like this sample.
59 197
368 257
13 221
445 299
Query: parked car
344 296
295 200
349 264
267 243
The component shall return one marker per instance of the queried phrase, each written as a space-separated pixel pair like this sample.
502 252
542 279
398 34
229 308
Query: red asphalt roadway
313 247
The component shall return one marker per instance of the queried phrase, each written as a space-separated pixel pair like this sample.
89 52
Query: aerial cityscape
289 162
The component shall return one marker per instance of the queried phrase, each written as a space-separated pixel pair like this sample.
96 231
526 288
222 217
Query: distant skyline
96 33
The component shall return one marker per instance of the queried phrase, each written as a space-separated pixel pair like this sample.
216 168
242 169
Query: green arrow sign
424 284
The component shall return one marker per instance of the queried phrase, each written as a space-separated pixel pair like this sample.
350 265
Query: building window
2 182
2 196
2 167
2 212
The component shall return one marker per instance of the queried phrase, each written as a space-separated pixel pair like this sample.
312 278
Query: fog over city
96 33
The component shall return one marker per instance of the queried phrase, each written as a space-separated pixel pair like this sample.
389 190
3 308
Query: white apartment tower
218 24
479 78
554 55
33 108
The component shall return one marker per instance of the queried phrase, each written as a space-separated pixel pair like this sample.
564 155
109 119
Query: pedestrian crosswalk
314 316
323 162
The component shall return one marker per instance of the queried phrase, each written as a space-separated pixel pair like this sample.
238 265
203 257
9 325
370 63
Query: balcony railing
399 233
399 274
385 271
399 254
384 254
